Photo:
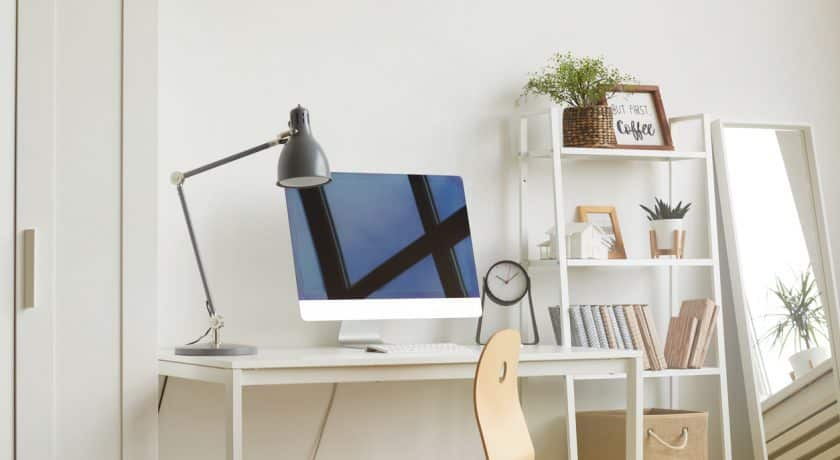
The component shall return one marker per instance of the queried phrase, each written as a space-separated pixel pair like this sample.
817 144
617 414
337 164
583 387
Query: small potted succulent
583 85
665 220
802 320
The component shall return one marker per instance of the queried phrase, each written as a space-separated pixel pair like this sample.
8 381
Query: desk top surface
274 358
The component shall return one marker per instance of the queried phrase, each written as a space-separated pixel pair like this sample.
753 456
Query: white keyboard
431 348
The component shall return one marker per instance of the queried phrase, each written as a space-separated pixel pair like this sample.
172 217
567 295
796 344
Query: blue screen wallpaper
387 236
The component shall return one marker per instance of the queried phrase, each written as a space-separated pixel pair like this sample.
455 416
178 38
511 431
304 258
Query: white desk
338 365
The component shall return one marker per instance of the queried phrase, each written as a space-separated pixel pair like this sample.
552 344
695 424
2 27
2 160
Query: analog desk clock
506 284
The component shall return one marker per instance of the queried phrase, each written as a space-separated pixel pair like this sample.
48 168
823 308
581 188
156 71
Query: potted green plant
802 321
665 220
583 84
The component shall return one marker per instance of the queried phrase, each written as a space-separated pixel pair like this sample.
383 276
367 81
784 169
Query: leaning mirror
784 295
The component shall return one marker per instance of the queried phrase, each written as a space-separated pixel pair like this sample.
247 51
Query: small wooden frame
632 117
588 213
677 250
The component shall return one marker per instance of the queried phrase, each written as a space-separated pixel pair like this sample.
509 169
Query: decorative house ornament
586 241
547 250
583 85
638 118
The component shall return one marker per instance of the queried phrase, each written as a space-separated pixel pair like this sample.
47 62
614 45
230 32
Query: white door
68 190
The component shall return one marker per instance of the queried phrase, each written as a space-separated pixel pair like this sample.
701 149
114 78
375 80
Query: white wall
425 87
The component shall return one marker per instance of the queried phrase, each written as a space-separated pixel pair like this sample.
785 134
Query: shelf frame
561 266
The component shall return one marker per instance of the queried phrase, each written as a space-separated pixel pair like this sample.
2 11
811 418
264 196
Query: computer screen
382 236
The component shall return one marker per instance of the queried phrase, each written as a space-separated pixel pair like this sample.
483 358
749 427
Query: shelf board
639 263
543 263
625 263
665 373
579 153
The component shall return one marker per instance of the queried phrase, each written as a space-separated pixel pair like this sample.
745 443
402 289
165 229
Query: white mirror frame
830 298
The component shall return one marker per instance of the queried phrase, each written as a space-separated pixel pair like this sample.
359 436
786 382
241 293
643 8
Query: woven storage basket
668 435
588 127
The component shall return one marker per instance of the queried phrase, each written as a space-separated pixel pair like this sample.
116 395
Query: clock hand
514 276
502 279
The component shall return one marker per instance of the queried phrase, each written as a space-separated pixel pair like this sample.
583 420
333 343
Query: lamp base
209 349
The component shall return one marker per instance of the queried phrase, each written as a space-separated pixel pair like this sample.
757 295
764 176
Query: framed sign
606 219
639 120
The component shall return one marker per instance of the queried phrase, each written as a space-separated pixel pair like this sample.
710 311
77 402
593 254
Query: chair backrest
501 422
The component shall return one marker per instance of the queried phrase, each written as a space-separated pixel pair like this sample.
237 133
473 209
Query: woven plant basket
588 127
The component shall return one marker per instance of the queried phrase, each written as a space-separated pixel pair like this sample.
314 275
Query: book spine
623 327
608 327
599 327
556 315
654 337
619 341
589 327
580 330
691 325
635 333
672 342
643 329
572 328
703 348
702 309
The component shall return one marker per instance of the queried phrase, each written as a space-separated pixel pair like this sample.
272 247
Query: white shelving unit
558 155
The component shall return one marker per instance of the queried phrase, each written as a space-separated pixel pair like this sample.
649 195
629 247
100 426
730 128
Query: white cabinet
62 158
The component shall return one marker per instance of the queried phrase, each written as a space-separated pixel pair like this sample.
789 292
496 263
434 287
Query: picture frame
639 120
606 219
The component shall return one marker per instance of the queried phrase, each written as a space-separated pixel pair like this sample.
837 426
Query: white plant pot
665 231
805 360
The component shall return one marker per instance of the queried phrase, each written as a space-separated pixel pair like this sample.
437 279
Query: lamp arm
211 309
178 179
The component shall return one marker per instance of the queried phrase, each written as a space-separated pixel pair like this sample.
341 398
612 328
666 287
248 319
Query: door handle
29 268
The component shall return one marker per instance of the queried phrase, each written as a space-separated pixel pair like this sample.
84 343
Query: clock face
507 282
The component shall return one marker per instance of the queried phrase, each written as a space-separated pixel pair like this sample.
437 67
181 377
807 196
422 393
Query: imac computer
373 247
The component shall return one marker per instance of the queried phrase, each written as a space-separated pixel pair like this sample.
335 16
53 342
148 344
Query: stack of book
618 327
690 334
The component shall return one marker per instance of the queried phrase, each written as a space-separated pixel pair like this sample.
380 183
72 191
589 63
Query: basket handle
681 446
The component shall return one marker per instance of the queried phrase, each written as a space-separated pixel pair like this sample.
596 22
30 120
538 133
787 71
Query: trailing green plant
803 319
578 82
662 210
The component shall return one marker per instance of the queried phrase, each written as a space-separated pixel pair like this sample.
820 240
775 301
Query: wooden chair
501 422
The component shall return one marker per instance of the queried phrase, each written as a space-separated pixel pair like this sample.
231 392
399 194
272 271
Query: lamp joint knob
177 178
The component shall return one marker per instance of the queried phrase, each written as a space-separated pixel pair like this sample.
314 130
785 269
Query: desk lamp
302 164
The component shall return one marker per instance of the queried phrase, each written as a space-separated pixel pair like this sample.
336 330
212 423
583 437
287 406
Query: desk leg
568 383
233 415
635 403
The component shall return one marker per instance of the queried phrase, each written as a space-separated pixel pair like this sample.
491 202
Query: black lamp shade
302 162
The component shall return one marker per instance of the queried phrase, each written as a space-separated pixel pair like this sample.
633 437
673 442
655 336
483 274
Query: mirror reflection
774 218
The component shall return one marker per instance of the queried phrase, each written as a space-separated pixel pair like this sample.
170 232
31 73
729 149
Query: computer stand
359 334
